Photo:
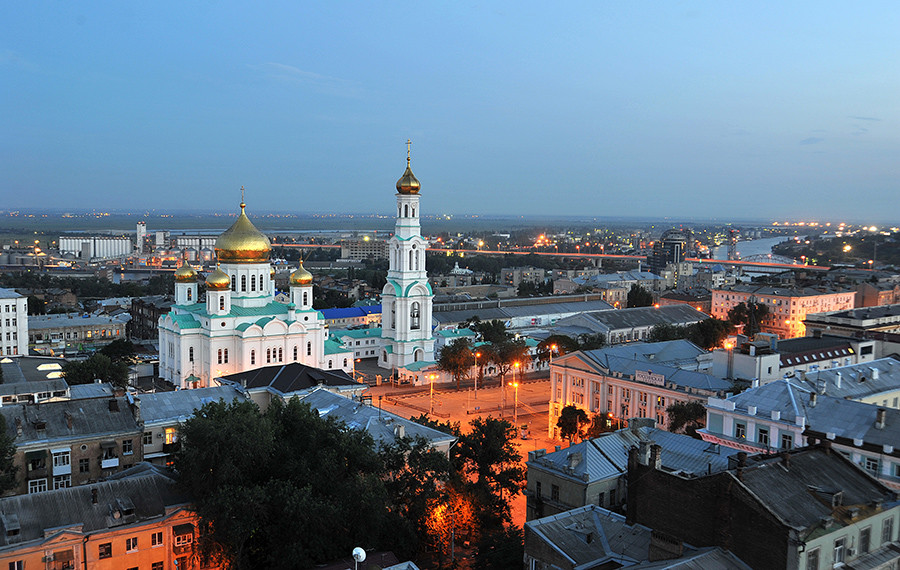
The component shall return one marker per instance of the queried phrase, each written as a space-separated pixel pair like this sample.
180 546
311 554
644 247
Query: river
749 247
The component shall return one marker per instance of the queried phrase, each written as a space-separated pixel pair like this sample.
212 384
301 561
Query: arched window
232 283
398 211
329 365
405 210
219 356
244 283
414 316
295 353
268 356
306 297
417 261
222 303
308 349
414 212
411 253
280 354
345 363
190 294
253 282
225 358
252 357
191 354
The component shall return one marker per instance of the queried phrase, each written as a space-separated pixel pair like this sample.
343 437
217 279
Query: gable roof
291 378
179 405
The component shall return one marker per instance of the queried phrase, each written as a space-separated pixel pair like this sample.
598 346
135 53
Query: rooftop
291 378
69 419
179 405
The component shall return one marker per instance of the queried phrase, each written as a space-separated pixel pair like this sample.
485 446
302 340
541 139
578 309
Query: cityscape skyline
694 111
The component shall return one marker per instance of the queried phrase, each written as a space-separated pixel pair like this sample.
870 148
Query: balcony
171 447
62 469
109 463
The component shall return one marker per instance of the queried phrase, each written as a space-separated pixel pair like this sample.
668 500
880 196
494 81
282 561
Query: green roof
267 310
416 366
186 321
456 333
334 347
360 333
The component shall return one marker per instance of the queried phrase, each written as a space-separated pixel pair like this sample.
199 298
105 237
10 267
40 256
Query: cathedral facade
407 297
239 326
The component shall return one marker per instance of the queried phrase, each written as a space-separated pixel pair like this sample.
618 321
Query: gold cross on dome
408 143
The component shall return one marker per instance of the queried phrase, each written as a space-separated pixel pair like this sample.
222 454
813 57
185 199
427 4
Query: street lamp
515 385
431 377
477 354
552 350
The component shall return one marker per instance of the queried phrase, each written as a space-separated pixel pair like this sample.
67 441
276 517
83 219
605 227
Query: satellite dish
358 554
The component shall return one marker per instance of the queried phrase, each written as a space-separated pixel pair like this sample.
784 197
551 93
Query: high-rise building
407 296
13 323
141 235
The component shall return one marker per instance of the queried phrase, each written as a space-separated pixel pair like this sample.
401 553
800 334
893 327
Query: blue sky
722 109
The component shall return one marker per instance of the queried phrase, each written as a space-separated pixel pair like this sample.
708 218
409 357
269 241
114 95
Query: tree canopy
639 297
572 421
749 314
7 467
97 367
286 488
686 417
456 358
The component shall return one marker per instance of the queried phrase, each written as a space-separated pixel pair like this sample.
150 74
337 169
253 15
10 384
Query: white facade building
240 326
13 323
407 296
95 247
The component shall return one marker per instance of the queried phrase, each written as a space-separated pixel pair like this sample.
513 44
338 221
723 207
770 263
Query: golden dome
301 276
408 183
218 280
185 274
243 243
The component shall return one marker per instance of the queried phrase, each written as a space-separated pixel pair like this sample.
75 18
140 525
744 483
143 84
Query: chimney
880 417
113 405
69 419
655 459
94 494
813 397
18 426
875 374
644 452
136 410
786 459
837 379
742 462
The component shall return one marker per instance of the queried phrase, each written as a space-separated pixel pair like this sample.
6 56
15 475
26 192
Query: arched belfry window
414 212
222 303
190 294
253 282
233 283
405 210
414 316
308 349
411 253
417 261
244 283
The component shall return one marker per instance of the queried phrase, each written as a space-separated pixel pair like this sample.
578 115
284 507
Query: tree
457 359
7 468
709 333
97 367
572 420
36 306
490 463
284 488
493 332
448 517
639 297
686 417
503 548
555 344
600 424
748 314
119 350
664 331
591 341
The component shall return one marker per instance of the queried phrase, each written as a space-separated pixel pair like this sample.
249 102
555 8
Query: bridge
755 263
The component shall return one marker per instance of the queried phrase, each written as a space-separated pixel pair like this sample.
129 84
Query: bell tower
407 296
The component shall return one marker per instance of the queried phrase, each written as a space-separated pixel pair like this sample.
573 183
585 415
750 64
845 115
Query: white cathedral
240 325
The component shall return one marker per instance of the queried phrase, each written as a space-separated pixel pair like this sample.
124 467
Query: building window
156 539
812 559
127 447
225 356
37 486
222 303
233 284
84 465
600 499
190 354
252 357
156 566
147 438
243 283
308 349
305 298
295 353
787 441
554 492
183 539
280 354
537 489
104 550
840 549
612 497
887 530
871 465
17 565
190 294
268 356
865 539
130 544
763 436
253 283
740 431
219 356
62 481
61 459
171 436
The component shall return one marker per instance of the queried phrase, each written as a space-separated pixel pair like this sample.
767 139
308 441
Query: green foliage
531 289
639 297
490 464
563 344
457 358
708 333
600 424
505 354
36 306
287 489
7 467
572 420
686 417
88 288
98 366
591 341
119 350
504 548
493 332
749 314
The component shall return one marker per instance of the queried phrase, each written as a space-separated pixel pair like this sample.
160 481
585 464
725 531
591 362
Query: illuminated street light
515 385
432 377
477 354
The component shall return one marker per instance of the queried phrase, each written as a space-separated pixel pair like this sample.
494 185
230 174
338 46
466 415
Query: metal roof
291 378
181 404
667 352
856 380
93 417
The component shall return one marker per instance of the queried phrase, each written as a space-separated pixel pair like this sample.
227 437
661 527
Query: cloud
865 118
10 58
295 75
812 140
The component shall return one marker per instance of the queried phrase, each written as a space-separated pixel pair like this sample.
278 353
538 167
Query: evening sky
722 109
